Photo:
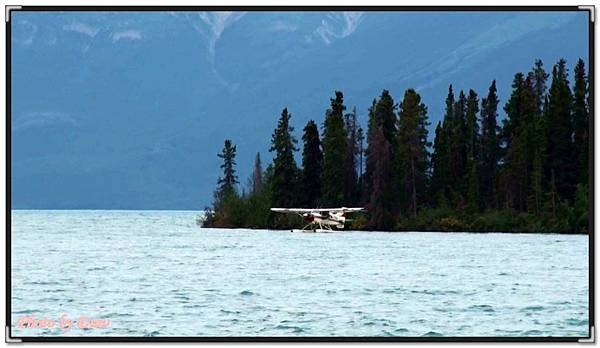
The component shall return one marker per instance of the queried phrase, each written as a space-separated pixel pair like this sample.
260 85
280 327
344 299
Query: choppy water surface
157 273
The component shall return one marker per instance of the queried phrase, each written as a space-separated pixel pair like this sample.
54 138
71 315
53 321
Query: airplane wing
292 210
308 210
351 209
342 209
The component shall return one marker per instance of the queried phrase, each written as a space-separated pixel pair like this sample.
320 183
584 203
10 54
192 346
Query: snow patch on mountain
82 28
212 25
283 26
130 34
338 26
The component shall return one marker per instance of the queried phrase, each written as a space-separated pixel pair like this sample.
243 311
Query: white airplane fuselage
332 219
320 219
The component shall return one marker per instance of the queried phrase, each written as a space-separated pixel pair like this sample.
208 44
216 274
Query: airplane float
323 218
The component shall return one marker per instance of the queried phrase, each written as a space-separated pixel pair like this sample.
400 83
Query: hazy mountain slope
128 110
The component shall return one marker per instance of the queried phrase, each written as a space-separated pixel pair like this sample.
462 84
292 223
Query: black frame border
9 338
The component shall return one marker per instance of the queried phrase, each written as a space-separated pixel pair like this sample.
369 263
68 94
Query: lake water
158 274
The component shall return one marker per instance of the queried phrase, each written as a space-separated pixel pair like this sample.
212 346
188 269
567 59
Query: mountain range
127 110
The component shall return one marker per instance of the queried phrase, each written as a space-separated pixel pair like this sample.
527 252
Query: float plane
320 219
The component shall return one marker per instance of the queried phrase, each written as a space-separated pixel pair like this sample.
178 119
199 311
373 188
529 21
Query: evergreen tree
361 178
559 132
473 152
537 132
334 152
256 179
472 126
227 183
255 207
449 112
519 134
350 160
581 122
360 138
540 77
379 197
440 159
412 157
371 129
490 148
284 181
513 109
381 114
312 166
514 175
457 143
226 210
439 167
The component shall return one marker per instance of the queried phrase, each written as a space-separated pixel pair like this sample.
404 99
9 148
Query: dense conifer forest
527 172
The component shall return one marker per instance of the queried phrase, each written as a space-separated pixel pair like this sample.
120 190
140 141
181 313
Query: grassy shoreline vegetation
525 173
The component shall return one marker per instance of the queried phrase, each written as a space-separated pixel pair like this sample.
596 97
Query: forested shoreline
525 173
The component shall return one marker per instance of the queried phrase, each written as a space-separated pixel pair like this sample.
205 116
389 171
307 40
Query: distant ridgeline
528 174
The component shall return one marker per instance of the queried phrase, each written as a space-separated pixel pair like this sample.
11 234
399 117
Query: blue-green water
157 273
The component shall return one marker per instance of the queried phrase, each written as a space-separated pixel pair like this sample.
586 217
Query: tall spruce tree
539 77
284 180
256 180
490 148
439 167
473 152
559 133
334 152
312 166
472 127
228 181
381 113
366 180
581 122
412 156
441 157
361 178
379 200
457 143
351 158
519 135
